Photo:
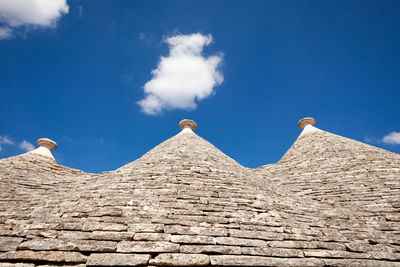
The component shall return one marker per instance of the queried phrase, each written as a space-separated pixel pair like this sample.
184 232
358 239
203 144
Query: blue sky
76 75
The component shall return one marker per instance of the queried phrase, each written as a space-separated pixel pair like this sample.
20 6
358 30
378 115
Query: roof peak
307 124
182 150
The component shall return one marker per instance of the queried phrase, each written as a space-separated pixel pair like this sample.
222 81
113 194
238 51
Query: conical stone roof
184 151
186 203
343 171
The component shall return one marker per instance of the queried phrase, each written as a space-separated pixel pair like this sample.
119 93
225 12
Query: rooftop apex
187 124
46 142
305 121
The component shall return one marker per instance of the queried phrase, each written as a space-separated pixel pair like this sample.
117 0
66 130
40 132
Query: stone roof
330 201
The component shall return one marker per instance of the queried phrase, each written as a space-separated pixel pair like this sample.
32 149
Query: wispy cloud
392 139
182 77
36 13
5 33
80 11
27 146
4 140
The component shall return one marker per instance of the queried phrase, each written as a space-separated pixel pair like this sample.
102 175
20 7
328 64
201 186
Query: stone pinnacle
306 121
187 124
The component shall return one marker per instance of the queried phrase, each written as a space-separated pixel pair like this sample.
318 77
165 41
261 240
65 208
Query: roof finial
45 146
306 121
47 143
189 124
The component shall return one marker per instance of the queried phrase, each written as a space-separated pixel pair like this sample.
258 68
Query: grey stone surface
9 243
51 256
359 263
240 242
329 200
117 259
230 260
146 228
147 246
186 230
9 264
177 259
274 252
195 249
152 237
190 239
68 245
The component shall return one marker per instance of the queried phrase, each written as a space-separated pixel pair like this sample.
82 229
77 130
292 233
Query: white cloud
27 146
5 33
392 139
80 11
182 77
5 140
40 13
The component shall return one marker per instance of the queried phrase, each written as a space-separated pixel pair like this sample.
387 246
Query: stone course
330 201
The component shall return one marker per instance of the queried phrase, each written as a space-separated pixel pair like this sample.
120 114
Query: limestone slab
152 237
176 259
9 243
191 239
71 245
147 246
210 249
51 256
117 259
274 252
230 260
146 228
240 242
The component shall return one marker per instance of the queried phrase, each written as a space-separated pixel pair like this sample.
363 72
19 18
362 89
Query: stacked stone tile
330 201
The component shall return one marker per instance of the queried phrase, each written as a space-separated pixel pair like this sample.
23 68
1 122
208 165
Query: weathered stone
240 242
152 237
230 260
304 244
96 235
335 254
196 249
74 235
72 245
359 262
65 226
378 251
185 230
9 243
117 259
190 239
100 226
146 228
147 246
111 236
9 264
274 252
384 255
331 197
51 256
393 217
181 260
332 235
255 234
